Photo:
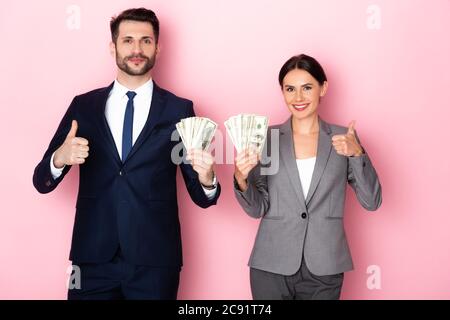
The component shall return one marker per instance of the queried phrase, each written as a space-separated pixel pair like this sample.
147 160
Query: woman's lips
300 107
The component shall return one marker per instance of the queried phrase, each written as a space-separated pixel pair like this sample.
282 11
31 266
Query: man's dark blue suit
129 206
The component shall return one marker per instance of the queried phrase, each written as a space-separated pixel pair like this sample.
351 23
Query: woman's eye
289 89
147 41
127 41
307 88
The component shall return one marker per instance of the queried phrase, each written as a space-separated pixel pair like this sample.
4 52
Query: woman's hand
347 144
245 161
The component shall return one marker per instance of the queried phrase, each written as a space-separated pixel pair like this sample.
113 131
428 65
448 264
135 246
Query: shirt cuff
56 173
210 193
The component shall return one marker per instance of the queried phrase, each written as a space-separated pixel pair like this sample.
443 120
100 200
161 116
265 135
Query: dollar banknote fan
247 131
196 132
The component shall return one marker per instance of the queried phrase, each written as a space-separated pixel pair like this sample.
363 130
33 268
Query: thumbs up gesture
74 150
347 144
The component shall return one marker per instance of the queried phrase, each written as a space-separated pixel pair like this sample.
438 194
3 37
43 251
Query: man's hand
245 161
346 144
203 163
73 151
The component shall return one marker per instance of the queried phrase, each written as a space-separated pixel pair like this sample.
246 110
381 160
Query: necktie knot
131 95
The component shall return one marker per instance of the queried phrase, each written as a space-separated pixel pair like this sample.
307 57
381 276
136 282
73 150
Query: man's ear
158 49
112 49
324 89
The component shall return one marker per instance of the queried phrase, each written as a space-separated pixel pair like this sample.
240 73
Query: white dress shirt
305 170
117 104
115 115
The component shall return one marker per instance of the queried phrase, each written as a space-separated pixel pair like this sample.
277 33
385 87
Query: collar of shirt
145 91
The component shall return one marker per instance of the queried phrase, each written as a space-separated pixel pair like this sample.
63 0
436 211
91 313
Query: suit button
120 173
303 215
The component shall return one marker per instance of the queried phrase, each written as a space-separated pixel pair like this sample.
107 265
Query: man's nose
137 47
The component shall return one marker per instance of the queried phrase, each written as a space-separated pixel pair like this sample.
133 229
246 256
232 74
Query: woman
301 251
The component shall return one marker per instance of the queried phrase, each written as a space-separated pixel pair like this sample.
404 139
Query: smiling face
135 49
302 93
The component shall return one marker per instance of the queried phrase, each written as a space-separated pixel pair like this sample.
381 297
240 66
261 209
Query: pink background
225 55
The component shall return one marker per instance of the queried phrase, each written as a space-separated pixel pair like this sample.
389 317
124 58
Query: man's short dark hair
137 14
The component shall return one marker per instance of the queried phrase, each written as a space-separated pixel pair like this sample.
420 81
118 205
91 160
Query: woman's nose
299 96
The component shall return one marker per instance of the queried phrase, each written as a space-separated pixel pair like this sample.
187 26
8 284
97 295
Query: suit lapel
102 123
154 116
287 154
323 153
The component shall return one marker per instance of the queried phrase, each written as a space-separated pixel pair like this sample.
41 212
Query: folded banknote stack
247 131
196 132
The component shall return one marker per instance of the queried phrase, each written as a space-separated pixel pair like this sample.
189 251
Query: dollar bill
247 131
196 132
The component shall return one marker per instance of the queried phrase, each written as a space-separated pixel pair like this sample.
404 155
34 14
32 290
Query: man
126 238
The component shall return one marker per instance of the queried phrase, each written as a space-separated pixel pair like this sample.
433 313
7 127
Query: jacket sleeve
42 178
363 178
190 177
254 200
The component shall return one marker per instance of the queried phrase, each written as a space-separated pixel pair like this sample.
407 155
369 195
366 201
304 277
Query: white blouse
305 170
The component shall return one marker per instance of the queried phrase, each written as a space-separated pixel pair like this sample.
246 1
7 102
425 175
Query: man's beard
122 64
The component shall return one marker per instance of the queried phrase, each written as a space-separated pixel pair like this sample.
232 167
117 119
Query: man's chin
136 71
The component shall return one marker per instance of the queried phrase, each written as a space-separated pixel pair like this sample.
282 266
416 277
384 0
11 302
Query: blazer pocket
336 204
274 210
161 206
273 218
85 202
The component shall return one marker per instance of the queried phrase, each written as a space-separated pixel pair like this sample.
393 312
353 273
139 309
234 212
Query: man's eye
307 88
289 89
127 41
147 41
